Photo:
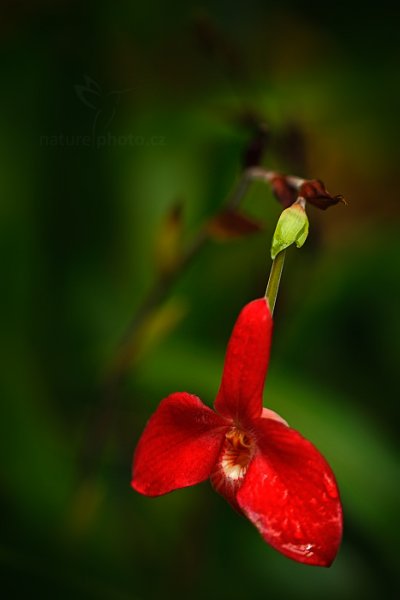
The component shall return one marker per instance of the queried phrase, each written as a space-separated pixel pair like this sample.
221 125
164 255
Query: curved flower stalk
265 469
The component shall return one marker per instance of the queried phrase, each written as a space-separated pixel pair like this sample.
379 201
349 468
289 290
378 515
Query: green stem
274 279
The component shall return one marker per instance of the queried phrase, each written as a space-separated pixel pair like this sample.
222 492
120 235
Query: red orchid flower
264 468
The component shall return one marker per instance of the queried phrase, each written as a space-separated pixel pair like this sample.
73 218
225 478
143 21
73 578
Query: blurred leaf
168 244
150 331
160 323
230 224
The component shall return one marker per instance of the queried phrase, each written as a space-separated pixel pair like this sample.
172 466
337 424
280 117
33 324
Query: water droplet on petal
330 486
308 546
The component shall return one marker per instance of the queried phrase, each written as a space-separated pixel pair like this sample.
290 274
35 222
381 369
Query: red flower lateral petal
290 494
178 447
246 362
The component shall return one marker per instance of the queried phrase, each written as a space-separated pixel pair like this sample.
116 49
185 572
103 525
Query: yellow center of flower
238 451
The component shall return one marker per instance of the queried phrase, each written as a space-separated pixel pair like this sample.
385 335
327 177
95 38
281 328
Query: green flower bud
292 228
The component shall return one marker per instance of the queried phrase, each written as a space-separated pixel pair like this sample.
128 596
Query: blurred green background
111 114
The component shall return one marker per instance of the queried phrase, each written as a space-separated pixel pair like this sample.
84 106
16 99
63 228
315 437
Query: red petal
267 413
290 494
246 362
178 447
